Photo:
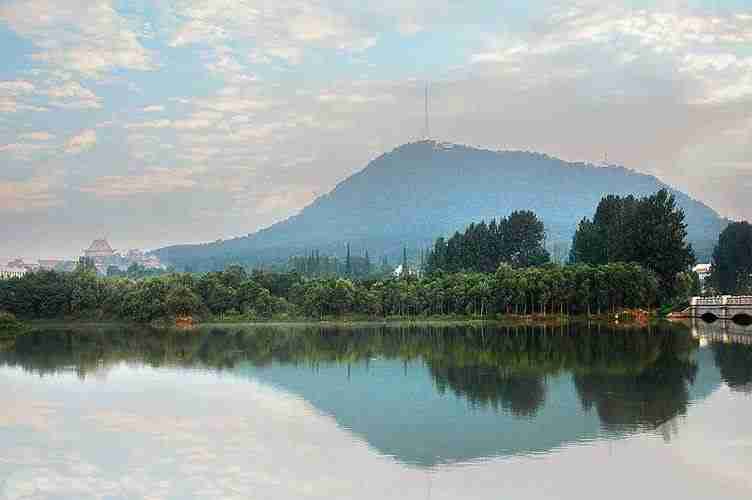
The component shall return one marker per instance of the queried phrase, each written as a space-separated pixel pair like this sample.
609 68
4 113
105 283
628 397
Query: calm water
373 412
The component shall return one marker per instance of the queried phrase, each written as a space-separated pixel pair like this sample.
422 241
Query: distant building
703 271
146 261
19 263
99 249
410 271
50 264
8 272
152 262
99 254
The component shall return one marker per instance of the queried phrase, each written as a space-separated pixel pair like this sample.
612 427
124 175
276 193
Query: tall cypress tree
348 262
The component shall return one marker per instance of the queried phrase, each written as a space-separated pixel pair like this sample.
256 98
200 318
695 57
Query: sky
156 122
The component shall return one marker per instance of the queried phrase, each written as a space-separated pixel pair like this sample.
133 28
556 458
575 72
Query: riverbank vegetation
236 294
632 255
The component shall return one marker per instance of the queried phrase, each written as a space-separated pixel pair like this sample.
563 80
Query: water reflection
646 399
735 364
488 387
429 394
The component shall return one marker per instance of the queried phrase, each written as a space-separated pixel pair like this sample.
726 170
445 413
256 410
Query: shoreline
507 320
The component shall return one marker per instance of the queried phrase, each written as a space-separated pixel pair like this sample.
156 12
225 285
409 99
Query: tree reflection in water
735 364
632 377
436 393
482 386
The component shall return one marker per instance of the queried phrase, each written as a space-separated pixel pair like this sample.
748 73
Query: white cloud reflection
192 434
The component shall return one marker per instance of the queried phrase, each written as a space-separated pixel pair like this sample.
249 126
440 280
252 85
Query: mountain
423 190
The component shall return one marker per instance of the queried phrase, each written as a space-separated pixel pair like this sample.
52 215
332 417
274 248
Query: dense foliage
517 240
649 231
732 260
315 265
9 325
236 293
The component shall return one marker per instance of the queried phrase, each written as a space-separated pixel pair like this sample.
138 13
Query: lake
374 412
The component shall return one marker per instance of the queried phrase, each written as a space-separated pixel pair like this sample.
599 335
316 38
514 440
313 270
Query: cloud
37 136
27 196
152 181
81 142
23 151
154 109
57 88
226 64
705 48
191 124
332 97
13 90
11 105
150 124
283 30
87 37
72 95
16 87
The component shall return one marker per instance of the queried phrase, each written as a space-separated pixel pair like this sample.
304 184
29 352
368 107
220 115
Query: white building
8 273
703 271
411 271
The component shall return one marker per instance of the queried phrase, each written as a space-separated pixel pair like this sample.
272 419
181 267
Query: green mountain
422 190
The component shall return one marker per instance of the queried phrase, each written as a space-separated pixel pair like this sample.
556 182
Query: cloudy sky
156 122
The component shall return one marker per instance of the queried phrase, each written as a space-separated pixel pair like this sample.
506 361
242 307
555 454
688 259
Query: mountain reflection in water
432 394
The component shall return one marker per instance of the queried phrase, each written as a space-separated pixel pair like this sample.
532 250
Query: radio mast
427 131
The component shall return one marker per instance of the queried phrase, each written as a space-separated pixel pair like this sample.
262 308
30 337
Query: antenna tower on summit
427 130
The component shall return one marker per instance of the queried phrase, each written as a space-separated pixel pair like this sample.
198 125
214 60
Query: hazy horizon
153 125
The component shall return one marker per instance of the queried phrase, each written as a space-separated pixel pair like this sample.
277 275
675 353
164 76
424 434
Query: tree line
315 265
633 254
235 293
517 240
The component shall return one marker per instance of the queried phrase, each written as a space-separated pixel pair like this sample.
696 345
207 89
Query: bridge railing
740 300
718 300
723 300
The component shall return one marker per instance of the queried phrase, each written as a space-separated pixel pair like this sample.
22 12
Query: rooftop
100 246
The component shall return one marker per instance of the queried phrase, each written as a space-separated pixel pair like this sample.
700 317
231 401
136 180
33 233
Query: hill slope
423 190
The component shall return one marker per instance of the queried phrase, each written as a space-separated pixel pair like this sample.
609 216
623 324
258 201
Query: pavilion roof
100 246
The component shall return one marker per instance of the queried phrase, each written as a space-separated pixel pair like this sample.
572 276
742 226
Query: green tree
518 240
650 231
181 301
732 260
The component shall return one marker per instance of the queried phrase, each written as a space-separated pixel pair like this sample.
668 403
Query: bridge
723 307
